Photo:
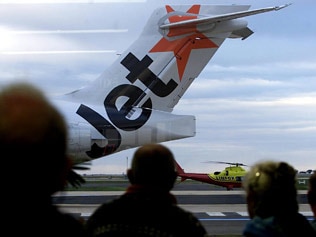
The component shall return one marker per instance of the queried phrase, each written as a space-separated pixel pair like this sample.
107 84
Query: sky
255 100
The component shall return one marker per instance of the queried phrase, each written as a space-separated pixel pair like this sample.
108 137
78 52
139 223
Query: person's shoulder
109 209
57 223
189 223
313 223
70 224
183 215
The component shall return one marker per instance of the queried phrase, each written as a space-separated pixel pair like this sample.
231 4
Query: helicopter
231 177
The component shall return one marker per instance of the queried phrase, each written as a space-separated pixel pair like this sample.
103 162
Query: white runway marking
215 213
242 213
245 214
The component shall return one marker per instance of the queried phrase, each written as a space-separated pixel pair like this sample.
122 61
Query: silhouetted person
147 208
33 138
272 202
311 196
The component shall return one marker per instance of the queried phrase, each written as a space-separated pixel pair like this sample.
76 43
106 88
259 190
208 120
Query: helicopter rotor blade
228 163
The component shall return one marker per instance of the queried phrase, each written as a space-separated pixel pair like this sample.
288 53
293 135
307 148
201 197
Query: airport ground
119 182
223 213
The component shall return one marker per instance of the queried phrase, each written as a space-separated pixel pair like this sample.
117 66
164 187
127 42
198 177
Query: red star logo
182 47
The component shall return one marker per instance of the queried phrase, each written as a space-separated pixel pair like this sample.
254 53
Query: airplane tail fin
130 104
174 47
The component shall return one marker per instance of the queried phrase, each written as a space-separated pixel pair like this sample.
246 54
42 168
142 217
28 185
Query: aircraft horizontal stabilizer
219 18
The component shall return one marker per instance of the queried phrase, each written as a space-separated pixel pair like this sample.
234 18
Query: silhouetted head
271 189
153 165
33 136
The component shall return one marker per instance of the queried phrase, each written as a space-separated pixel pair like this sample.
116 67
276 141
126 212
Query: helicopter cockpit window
239 178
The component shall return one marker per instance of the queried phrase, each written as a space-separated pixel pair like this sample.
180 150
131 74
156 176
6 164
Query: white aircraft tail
144 84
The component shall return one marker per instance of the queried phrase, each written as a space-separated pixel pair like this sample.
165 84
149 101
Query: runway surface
221 212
